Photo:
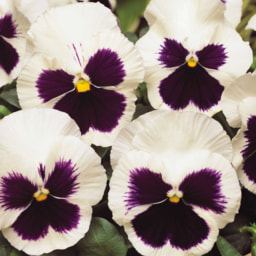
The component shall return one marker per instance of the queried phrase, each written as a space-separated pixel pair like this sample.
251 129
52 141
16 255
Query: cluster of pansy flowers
177 175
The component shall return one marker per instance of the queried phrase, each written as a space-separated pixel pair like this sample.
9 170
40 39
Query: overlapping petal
238 100
163 132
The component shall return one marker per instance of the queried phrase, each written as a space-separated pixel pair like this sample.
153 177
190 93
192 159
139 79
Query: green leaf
129 13
4 111
103 238
225 248
131 36
10 96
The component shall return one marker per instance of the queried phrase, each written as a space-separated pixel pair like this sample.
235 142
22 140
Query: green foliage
225 248
129 13
103 238
8 99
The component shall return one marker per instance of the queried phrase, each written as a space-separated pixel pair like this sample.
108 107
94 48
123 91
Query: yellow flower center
192 62
174 196
174 199
83 85
41 194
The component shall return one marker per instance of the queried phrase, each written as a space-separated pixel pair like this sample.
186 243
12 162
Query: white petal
91 178
69 24
237 62
31 9
172 132
238 144
27 135
53 240
252 23
233 11
198 11
236 101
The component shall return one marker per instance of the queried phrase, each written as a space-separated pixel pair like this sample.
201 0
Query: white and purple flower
172 200
239 107
92 74
190 54
49 181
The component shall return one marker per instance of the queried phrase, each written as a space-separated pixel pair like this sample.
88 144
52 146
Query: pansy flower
191 54
49 181
91 75
173 186
239 107
12 43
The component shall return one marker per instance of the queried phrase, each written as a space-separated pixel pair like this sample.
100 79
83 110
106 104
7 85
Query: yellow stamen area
41 195
174 199
192 62
83 86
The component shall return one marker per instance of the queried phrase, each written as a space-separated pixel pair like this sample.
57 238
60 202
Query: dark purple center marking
62 181
54 83
98 108
55 211
9 57
16 191
203 189
105 68
145 187
190 84
174 222
8 28
249 151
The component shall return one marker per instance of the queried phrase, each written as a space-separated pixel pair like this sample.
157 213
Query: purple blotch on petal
249 151
33 224
212 56
190 85
176 223
249 134
99 109
145 187
172 53
62 181
203 189
105 68
54 83
16 191
9 57
249 167
8 28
